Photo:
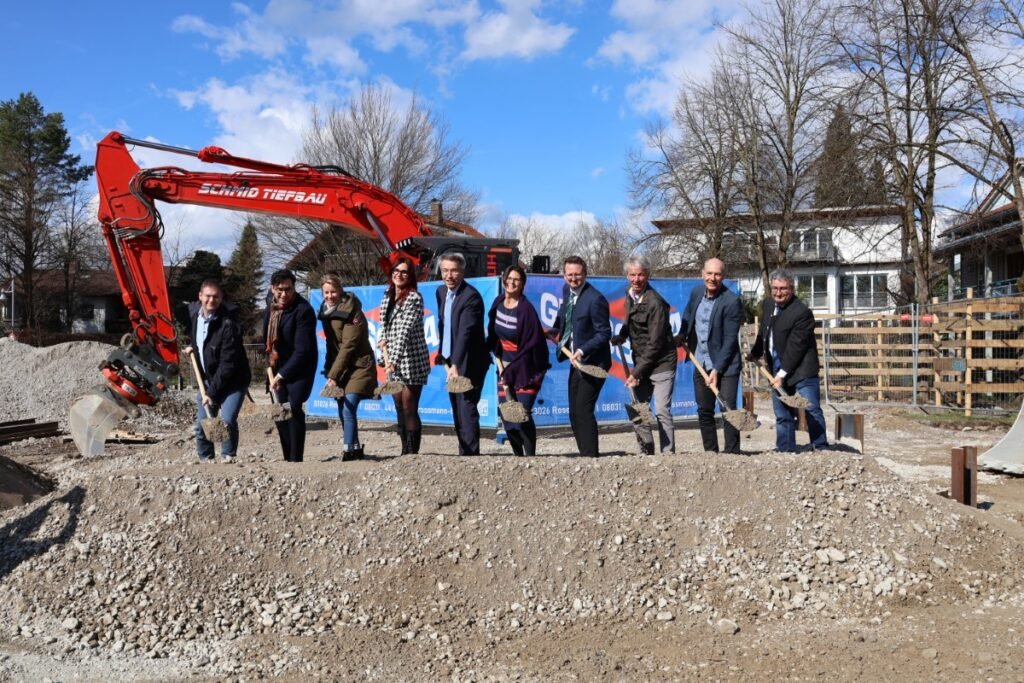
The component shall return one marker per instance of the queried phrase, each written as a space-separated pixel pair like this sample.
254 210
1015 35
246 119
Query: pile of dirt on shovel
431 567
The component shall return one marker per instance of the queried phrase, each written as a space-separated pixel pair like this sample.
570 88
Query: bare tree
790 65
689 170
407 152
77 246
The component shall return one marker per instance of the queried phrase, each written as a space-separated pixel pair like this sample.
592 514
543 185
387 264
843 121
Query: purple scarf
530 361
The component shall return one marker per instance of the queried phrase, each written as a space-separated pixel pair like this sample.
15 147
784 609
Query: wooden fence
967 354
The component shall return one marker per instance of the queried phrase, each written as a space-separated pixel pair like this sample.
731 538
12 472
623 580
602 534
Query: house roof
746 219
989 222
90 283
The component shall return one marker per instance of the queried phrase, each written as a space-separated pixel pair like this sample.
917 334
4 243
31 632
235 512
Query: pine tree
243 278
37 173
841 181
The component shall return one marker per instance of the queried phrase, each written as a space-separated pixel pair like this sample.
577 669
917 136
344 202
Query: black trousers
292 432
727 387
583 392
467 420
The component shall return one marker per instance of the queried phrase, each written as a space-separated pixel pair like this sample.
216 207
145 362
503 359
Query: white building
845 260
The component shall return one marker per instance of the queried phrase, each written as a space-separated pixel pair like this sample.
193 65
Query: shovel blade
92 418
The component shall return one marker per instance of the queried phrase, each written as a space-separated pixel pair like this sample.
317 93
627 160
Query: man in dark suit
786 340
463 351
217 340
289 326
583 328
710 332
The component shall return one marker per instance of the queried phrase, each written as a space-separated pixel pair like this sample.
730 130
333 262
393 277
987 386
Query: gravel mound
260 569
42 383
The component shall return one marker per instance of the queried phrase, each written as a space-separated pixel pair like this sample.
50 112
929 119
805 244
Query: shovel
740 419
591 370
391 387
214 428
279 413
511 410
795 401
458 384
639 413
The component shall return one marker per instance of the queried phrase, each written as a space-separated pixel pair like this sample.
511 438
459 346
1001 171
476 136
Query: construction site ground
145 565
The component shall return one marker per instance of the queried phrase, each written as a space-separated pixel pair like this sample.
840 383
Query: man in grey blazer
710 331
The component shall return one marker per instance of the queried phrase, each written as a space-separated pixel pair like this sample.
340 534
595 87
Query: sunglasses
400 271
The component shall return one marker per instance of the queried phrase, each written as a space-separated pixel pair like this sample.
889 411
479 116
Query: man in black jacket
289 325
463 351
649 332
217 338
785 339
710 331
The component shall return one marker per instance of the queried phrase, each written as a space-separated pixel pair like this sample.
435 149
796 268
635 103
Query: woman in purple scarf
515 335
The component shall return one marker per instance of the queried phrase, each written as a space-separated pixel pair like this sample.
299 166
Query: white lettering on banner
430 330
549 304
675 319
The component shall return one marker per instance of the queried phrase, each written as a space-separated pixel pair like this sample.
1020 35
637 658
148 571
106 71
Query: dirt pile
42 383
466 569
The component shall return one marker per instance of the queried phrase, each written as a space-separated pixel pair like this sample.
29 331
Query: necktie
776 361
567 322
446 343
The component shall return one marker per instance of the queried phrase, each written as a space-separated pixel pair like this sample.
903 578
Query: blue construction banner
551 408
435 406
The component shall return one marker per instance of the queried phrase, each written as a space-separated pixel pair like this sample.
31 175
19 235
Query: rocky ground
144 565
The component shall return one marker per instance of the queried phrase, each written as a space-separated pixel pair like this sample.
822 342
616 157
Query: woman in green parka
350 363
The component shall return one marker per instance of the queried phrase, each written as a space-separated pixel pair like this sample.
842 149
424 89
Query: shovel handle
568 355
270 386
199 375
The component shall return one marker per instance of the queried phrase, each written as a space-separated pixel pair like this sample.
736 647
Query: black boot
414 440
349 456
404 434
357 453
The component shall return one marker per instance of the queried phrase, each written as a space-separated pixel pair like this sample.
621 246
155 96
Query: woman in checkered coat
401 337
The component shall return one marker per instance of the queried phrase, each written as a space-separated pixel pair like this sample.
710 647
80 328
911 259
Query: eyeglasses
402 272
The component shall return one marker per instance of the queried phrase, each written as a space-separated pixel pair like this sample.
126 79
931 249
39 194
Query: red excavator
139 371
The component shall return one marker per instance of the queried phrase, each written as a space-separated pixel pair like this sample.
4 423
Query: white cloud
666 41
517 32
598 172
565 222
252 34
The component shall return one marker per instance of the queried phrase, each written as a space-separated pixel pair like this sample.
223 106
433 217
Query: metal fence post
915 334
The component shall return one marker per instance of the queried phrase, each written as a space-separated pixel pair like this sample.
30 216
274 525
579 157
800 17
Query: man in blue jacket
463 351
710 331
217 339
583 328
289 325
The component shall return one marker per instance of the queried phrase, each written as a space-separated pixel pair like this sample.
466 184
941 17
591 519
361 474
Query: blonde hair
332 279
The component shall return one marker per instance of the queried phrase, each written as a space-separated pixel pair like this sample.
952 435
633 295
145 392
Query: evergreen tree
203 265
37 173
841 181
243 278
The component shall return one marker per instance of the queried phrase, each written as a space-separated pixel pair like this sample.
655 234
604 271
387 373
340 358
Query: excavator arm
139 371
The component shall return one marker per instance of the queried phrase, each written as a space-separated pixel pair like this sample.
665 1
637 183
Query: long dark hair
391 291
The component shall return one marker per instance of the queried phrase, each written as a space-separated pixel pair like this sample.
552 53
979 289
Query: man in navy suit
710 331
584 329
463 351
289 326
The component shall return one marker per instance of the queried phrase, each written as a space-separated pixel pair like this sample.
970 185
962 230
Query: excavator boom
139 371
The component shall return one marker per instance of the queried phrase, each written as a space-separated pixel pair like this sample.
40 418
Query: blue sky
547 96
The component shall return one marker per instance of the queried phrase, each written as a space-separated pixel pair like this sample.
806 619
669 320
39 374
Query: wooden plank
873 331
988 388
982 343
31 431
26 427
16 423
979 325
871 372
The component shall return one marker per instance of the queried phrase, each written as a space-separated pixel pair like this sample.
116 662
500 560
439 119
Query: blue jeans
786 417
227 411
347 413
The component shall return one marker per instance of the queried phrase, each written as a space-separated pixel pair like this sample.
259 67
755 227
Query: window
813 289
815 243
864 291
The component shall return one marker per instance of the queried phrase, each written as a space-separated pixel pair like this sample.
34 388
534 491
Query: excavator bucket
93 417
1007 455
